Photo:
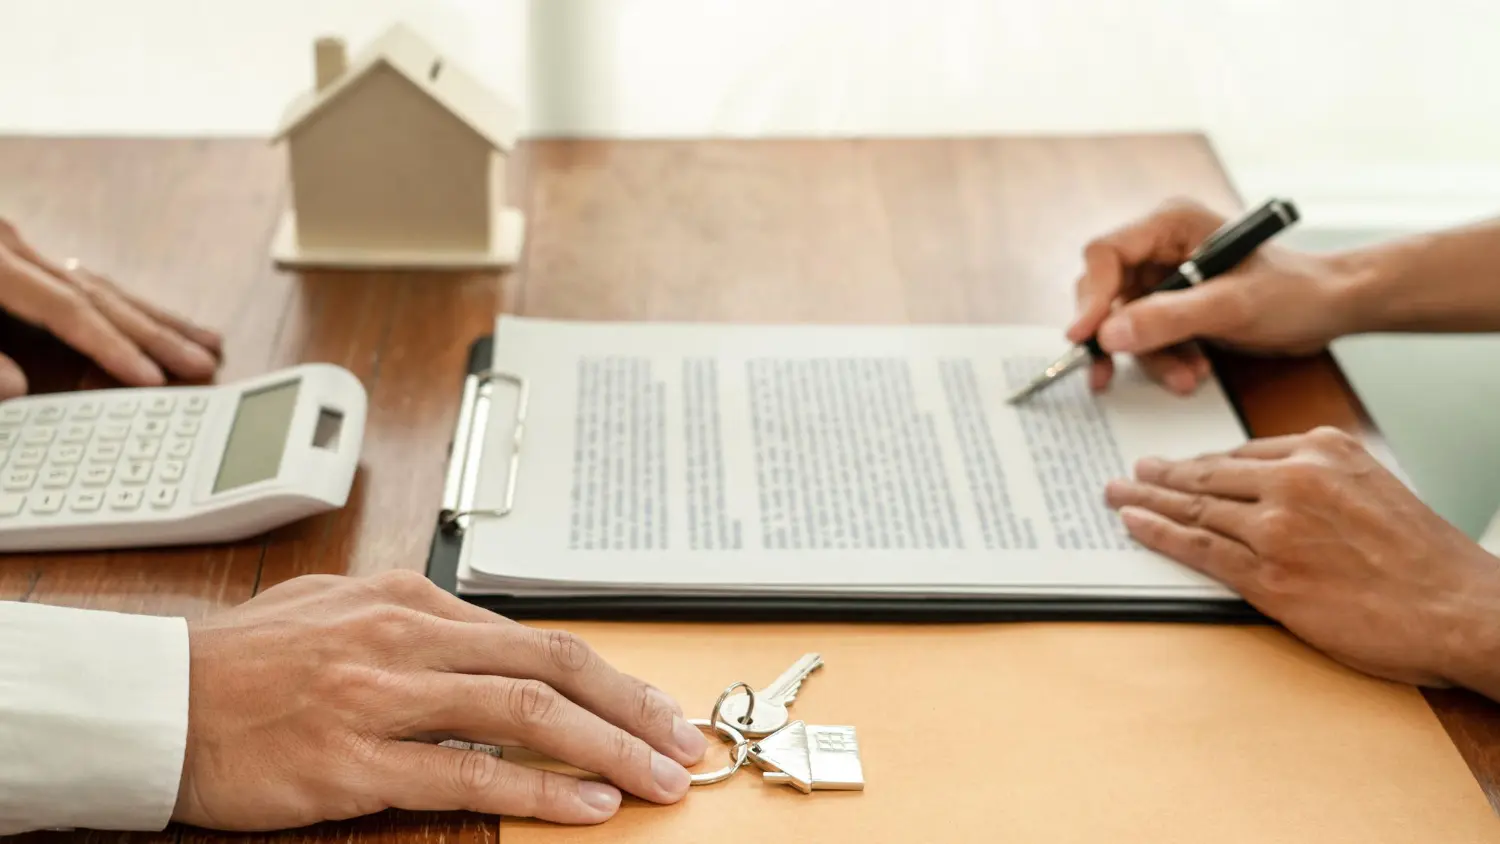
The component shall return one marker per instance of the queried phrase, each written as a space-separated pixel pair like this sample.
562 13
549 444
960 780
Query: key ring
713 717
741 750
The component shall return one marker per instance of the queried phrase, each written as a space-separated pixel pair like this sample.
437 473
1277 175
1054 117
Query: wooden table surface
979 230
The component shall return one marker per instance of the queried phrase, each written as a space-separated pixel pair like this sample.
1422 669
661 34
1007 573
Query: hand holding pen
1264 299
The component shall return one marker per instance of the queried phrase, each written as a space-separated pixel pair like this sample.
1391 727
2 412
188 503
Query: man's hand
1315 533
129 338
325 697
1277 301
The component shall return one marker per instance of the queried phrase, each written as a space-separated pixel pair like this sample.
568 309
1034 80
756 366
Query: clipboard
448 538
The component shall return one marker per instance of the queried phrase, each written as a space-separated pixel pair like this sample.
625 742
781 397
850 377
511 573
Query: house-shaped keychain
398 159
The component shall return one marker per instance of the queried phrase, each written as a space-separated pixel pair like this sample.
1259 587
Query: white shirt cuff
93 718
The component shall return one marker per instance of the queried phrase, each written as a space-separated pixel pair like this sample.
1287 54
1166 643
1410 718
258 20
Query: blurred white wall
1351 105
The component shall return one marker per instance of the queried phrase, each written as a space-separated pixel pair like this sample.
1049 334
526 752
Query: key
105 452
57 477
124 499
195 404
87 410
151 427
30 457
162 497
9 438
124 408
10 505
178 448
86 500
38 436
160 406
185 427
67 454
810 757
142 448
770 711
47 503
76 433
135 472
50 414
97 475
13 415
113 431
19 480
171 471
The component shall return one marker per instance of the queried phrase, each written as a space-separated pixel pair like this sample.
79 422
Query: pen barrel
1226 253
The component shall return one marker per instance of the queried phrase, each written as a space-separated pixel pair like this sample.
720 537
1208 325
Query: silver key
769 712
810 757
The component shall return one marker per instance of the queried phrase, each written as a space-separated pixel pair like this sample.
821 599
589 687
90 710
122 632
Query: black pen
1220 253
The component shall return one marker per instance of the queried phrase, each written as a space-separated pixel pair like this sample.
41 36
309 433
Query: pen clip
1226 231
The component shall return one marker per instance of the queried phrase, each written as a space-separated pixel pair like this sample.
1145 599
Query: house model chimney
329 60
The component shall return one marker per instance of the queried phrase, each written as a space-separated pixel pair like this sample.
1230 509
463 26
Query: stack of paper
678 459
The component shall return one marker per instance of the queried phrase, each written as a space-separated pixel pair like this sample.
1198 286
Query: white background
1352 106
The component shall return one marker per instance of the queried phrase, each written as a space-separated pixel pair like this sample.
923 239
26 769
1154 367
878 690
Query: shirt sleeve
1490 539
93 718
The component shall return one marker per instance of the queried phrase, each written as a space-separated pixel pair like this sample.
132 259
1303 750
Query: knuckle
627 750
400 583
549 790
534 704
479 775
1300 480
651 713
567 651
387 626
1196 509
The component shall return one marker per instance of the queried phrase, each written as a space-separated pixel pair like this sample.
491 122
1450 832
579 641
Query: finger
1214 474
565 662
1170 370
1213 554
1166 236
1270 448
1172 317
427 778
36 297
12 379
1100 373
183 357
497 710
211 341
1221 515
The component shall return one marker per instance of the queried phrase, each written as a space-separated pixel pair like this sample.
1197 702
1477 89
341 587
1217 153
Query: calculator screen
258 436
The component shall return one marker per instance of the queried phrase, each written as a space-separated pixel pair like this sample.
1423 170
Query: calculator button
171 471
47 502
151 427
76 433
113 431
163 496
13 415
160 406
30 457
124 499
124 408
195 404
4 456
185 427
105 452
178 448
49 414
135 472
143 448
97 475
19 480
57 477
9 438
38 436
86 500
67 454
11 504
87 409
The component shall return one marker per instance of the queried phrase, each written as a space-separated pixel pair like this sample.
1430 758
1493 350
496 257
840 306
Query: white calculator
136 468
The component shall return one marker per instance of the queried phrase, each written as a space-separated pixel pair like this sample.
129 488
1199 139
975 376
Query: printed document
699 459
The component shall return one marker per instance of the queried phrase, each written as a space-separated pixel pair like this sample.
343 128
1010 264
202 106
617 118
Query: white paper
706 458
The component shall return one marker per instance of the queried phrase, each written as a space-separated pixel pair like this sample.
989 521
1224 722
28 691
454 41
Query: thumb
12 379
1160 320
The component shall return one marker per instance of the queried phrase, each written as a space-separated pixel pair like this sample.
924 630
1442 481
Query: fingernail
146 373
1148 466
689 739
670 777
1181 381
602 798
1117 335
199 358
666 700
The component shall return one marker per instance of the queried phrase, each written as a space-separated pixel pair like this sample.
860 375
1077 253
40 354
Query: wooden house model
398 159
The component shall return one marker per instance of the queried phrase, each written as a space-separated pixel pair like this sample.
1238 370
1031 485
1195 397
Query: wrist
1470 631
1374 288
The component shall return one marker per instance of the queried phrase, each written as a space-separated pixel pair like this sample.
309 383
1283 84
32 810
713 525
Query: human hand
1277 300
1317 534
127 337
325 698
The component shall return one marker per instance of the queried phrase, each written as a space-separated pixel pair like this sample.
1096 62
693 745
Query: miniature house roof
420 63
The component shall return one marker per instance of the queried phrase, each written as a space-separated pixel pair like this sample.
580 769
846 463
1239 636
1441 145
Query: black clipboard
443 559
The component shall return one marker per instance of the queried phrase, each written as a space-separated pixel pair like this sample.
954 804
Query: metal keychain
741 751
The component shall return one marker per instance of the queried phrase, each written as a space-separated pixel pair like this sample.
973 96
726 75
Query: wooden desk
842 231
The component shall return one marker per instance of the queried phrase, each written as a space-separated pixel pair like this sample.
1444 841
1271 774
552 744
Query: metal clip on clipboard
461 481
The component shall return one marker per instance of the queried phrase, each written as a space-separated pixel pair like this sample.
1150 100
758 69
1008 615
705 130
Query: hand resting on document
1316 533
326 698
